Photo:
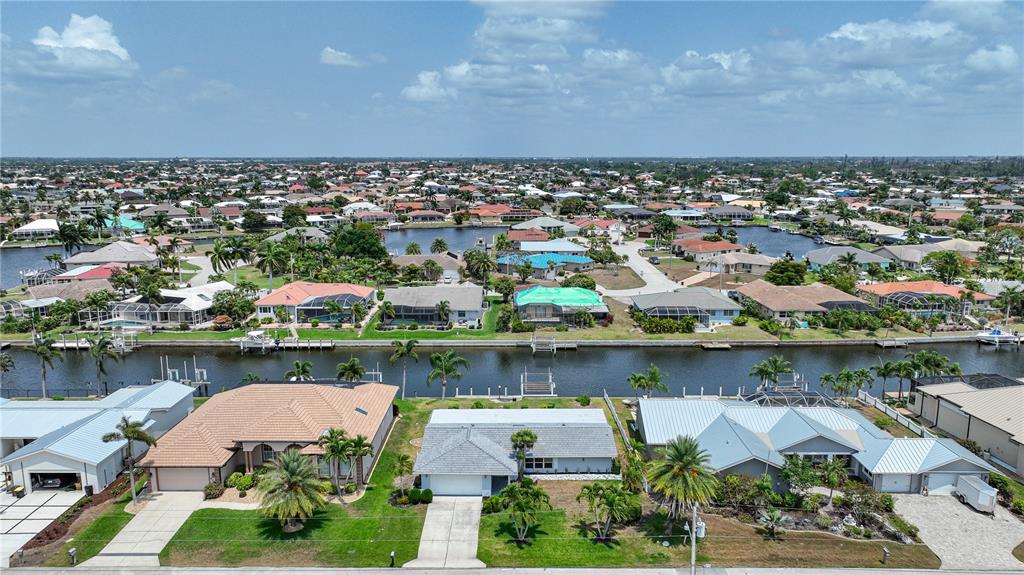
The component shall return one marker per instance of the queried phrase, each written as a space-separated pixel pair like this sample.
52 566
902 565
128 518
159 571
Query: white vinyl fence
868 399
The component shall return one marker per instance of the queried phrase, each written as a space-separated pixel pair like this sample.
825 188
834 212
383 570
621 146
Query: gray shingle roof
459 298
701 297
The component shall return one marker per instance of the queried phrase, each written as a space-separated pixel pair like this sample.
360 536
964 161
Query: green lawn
334 334
487 331
251 274
95 536
191 335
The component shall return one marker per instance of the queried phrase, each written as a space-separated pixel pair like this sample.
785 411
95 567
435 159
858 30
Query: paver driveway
962 537
21 519
140 542
450 534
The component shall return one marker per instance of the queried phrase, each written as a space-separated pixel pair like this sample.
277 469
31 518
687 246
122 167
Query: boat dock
711 346
997 337
263 342
550 345
890 343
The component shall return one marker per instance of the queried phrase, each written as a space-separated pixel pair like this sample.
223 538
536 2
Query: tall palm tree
438 246
445 366
904 371
413 249
291 490
131 432
241 251
522 502
220 256
682 478
403 350
358 448
769 370
101 348
300 371
522 440
848 261
653 380
42 347
402 466
99 218
833 473
885 370
444 310
70 236
271 257
335 443
351 370
387 310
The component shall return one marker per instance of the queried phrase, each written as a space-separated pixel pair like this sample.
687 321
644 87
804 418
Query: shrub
314 322
266 320
402 500
883 422
887 502
740 320
233 479
326 486
1001 483
426 496
583 400
414 496
494 505
838 501
903 526
823 522
867 534
350 487
745 518
972 446
853 530
245 482
478 405
213 490
1017 506
242 493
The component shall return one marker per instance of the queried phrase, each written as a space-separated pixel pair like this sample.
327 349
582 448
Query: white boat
737 223
997 337
257 339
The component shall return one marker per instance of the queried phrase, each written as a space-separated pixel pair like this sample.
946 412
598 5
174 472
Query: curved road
655 280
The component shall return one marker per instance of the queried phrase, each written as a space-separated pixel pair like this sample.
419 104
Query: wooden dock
307 344
550 345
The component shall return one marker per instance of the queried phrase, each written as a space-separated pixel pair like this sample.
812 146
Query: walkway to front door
450 534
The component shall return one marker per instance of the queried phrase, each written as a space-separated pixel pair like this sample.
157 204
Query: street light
699 532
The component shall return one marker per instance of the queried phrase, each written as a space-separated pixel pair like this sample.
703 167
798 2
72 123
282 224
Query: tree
885 370
798 473
505 286
335 444
271 257
479 264
609 502
848 261
101 348
771 518
42 347
833 474
524 270
522 440
402 466
131 432
413 249
241 251
502 243
444 310
291 490
351 370
637 383
652 380
293 216
300 371
6 362
438 246
786 273
359 448
681 478
361 241
69 236
432 270
522 502
581 281
404 350
253 221
769 370
946 265
444 366
664 228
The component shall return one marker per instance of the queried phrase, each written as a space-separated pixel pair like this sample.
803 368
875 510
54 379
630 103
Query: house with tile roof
703 250
469 452
749 439
925 298
784 302
304 301
244 428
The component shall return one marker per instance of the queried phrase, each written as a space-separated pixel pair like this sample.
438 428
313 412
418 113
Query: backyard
619 277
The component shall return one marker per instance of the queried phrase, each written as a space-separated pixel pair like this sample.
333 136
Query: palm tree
69 236
358 448
291 490
771 518
682 478
637 381
400 468
653 380
159 222
403 351
609 502
241 251
769 370
522 440
101 348
221 256
42 347
131 432
443 311
523 501
904 370
335 443
99 218
848 260
833 474
438 246
413 249
351 370
271 256
6 362
387 310
300 371
445 366
885 370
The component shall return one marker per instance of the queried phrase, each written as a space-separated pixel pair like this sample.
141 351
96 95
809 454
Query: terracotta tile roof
701 246
292 412
298 292
528 235
923 286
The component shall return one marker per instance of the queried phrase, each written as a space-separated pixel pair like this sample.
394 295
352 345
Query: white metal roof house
748 439
469 451
45 440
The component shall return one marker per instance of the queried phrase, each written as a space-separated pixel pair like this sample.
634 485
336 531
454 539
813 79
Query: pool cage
923 304
315 308
678 312
138 313
14 309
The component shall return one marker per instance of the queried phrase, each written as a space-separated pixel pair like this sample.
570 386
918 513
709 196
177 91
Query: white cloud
428 88
571 9
334 57
886 31
86 47
610 59
982 15
1002 58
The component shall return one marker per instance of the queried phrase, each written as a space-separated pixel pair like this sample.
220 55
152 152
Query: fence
88 390
615 417
867 399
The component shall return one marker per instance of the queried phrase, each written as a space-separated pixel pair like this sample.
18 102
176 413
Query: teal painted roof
568 297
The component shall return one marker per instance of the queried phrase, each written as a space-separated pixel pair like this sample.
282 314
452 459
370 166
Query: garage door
892 483
456 484
182 478
941 482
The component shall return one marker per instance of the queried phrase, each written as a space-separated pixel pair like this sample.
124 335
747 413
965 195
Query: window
540 463
267 452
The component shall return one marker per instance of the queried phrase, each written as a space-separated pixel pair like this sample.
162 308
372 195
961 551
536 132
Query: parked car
654 260
53 483
971 490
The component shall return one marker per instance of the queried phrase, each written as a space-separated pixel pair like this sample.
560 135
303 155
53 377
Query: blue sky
511 79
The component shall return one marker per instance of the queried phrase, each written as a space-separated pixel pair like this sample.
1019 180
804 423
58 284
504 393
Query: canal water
770 243
15 260
459 239
587 370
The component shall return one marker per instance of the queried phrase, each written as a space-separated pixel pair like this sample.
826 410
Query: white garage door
941 482
457 484
182 478
892 483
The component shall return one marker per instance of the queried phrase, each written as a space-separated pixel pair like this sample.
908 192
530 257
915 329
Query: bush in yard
884 422
903 526
245 482
213 490
233 479
1017 506
887 502
823 521
972 446
314 322
740 320
854 530
327 487
583 400
242 493
402 500
414 496
350 487
1000 482
478 405
426 496
494 505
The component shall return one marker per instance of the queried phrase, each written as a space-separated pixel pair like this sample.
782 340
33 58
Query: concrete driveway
962 537
140 542
656 281
450 534
21 519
